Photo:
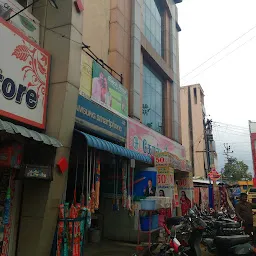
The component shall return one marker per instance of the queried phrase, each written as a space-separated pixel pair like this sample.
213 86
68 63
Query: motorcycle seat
229 241
224 224
174 221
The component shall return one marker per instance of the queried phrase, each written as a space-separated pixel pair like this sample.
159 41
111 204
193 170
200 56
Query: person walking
244 213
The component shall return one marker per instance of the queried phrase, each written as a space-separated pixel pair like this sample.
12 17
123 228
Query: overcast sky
228 79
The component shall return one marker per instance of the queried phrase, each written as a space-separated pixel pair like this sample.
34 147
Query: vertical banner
185 195
165 181
86 76
204 198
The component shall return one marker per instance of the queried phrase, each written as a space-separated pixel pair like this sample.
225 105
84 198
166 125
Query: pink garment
96 88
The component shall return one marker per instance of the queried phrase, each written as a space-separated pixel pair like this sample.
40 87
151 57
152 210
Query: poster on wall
85 89
24 77
165 181
185 195
108 91
145 183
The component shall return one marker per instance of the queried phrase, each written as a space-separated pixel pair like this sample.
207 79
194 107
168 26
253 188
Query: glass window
153 25
152 106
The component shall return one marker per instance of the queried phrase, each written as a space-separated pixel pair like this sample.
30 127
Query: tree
235 170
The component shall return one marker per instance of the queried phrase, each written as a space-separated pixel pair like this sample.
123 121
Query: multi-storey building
197 137
123 100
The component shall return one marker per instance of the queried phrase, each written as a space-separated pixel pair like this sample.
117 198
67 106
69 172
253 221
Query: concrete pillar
135 88
61 35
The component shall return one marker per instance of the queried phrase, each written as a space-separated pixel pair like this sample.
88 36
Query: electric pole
208 139
227 151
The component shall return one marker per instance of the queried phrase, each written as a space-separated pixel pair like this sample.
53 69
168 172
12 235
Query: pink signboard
146 141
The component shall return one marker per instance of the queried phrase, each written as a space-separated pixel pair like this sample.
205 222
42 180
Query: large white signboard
24 77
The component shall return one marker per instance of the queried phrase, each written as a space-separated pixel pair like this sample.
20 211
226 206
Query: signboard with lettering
165 181
38 172
162 159
100 120
168 159
146 141
24 76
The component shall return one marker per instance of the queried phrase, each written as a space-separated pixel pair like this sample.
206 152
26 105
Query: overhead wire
216 54
221 58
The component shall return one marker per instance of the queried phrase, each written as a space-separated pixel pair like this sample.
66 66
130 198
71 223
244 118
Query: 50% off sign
164 177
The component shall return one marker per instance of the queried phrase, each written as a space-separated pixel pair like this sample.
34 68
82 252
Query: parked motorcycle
183 238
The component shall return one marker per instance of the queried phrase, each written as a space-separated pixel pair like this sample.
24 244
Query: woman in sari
185 203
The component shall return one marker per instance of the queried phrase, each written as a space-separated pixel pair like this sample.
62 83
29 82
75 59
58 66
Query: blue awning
104 145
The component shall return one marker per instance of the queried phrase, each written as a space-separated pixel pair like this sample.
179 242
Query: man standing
244 213
150 190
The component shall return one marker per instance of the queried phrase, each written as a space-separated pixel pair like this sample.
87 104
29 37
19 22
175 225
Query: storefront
100 176
172 175
26 154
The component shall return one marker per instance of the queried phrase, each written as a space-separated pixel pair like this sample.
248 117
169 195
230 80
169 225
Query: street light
52 3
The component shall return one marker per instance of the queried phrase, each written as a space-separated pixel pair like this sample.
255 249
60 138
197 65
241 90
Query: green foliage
235 170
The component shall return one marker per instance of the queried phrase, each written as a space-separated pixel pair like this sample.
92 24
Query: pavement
110 248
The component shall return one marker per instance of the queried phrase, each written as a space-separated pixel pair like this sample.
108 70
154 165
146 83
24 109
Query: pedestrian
244 213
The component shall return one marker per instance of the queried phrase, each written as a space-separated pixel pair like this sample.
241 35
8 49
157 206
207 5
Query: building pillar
61 35
135 103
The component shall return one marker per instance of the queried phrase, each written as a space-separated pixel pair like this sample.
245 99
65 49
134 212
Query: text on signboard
11 91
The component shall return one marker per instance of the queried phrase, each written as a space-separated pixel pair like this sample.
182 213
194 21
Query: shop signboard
24 21
96 118
24 77
108 91
38 172
146 141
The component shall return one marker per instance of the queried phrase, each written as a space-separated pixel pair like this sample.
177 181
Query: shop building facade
136 42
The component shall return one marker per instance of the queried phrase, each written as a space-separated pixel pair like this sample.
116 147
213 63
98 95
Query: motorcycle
183 238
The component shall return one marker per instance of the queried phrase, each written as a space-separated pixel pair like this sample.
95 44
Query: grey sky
228 80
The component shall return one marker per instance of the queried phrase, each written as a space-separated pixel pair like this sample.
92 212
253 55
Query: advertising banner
98 119
185 194
85 89
24 21
108 91
24 77
146 141
145 183
165 181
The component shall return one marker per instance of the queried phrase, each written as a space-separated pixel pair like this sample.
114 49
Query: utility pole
208 138
227 151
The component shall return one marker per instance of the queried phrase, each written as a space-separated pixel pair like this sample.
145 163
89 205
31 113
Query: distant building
194 134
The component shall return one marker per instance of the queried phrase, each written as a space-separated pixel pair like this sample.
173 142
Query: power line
219 51
223 57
